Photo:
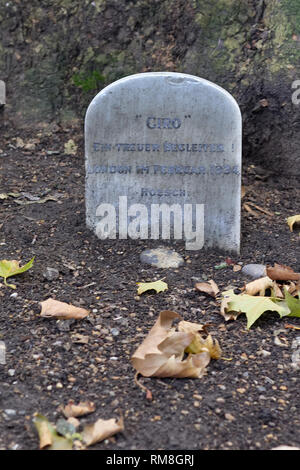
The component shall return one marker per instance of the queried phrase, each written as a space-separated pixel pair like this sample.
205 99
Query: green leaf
11 268
293 303
254 306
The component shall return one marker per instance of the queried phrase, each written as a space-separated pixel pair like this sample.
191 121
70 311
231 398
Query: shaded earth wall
56 55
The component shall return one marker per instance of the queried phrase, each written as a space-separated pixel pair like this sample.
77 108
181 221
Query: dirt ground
250 402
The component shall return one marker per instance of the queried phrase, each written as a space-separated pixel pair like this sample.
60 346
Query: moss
283 19
89 81
292 10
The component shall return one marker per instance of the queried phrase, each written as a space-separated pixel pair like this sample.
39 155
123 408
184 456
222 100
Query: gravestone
162 145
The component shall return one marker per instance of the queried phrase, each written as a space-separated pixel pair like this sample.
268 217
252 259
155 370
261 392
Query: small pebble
11 372
229 417
161 258
14 295
115 331
254 271
51 274
10 412
263 353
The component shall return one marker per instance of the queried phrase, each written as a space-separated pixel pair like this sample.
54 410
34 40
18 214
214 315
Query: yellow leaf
252 306
158 286
70 147
293 220
11 268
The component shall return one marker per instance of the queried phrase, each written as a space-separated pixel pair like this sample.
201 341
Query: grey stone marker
164 138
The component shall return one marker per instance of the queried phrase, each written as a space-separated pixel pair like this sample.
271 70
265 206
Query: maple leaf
162 353
292 302
253 306
11 268
158 286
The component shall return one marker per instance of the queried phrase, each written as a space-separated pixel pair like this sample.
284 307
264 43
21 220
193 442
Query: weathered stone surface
165 138
161 258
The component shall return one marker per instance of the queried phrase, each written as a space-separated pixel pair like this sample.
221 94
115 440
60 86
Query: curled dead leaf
209 288
52 308
101 429
200 344
295 219
280 272
259 286
162 352
83 408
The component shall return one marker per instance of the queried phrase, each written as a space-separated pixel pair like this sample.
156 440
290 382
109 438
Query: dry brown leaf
101 429
161 353
83 408
200 344
45 435
223 310
277 292
52 308
236 268
259 286
252 212
280 272
293 288
209 288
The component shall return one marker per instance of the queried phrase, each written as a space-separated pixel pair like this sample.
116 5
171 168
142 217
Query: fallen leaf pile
162 353
64 434
283 285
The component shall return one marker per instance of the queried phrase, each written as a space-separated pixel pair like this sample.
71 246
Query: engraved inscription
163 123
163 192
165 147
